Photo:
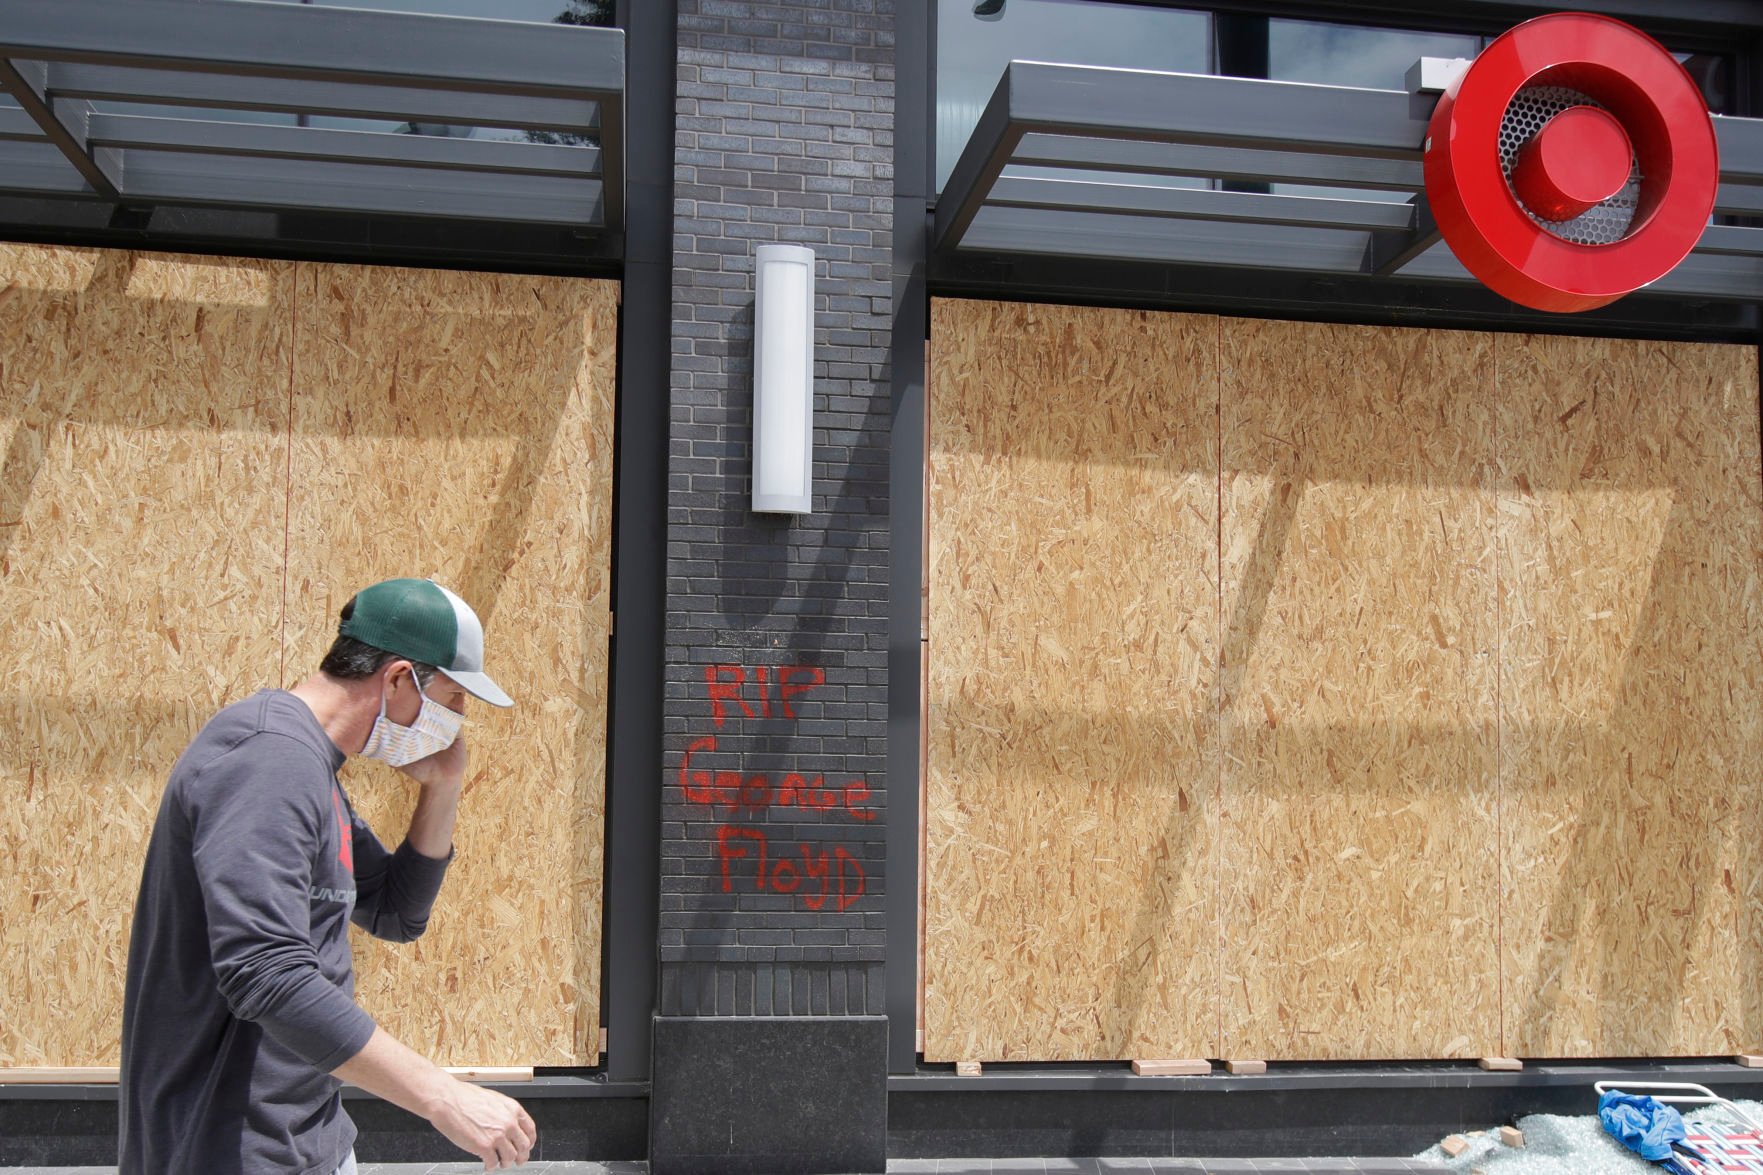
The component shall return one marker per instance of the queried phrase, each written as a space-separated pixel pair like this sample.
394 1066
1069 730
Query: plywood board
460 425
1072 761
143 409
1358 813
1630 545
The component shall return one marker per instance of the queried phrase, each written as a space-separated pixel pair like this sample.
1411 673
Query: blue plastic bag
1645 1125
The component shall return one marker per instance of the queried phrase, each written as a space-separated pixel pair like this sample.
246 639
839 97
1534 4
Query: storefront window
975 41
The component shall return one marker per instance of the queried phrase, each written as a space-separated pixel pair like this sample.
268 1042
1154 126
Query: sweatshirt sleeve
394 892
255 824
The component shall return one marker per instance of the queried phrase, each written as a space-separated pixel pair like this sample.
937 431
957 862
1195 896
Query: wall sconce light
783 380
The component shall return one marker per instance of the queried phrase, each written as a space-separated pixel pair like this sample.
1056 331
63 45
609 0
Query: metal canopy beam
982 161
160 177
132 131
1385 255
1727 263
16 124
1741 148
1225 111
297 96
1199 204
1704 275
63 122
322 43
1225 163
1028 230
1173 108
39 168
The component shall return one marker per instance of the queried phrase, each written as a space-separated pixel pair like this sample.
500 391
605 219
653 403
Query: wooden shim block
491 1072
1511 1136
1454 1145
1243 1068
59 1075
1749 1060
602 1042
967 1068
1186 1067
1501 1064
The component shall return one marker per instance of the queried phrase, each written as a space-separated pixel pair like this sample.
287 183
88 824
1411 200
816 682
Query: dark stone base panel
600 1129
1391 1113
67 1126
58 1131
769 1096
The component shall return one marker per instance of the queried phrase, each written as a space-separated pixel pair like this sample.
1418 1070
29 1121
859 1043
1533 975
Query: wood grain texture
1073 621
142 514
1484 679
1630 546
1358 814
152 411
459 425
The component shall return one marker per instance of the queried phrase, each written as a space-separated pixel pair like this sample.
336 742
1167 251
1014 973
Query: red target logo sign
1573 162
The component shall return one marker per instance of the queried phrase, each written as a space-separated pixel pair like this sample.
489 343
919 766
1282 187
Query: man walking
239 1017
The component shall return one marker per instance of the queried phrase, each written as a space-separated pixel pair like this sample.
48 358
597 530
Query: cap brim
479 686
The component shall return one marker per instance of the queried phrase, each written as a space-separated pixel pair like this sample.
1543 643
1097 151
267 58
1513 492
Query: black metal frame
632 919
913 189
58 60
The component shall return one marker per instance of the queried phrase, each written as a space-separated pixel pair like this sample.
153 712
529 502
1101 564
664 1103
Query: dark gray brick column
770 1046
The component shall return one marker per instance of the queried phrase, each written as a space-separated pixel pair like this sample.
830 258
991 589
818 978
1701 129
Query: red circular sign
1525 237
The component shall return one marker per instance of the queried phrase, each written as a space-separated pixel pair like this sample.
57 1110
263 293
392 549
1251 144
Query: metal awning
64 65
1137 126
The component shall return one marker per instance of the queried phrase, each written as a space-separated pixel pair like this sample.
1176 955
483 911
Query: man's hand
494 1128
443 771
442 776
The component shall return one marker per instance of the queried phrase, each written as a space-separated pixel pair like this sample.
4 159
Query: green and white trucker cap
421 620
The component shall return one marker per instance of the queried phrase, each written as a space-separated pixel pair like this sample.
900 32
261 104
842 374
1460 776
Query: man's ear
391 668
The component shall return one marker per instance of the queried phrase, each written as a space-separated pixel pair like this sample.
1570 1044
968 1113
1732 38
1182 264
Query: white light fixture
783 380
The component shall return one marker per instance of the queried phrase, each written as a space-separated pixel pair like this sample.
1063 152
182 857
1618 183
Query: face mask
434 730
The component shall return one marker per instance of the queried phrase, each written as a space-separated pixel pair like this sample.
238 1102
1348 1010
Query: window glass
1713 74
974 47
1347 55
589 12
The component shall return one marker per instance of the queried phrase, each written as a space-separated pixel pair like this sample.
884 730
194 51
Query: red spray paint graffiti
747 855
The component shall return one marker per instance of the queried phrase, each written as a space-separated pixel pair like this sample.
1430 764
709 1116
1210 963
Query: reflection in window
976 42
1347 55
1711 73
588 12
595 13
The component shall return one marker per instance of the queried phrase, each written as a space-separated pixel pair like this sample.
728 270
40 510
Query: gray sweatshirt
240 992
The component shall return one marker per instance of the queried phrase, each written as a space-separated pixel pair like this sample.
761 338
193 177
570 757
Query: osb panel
143 409
1073 617
1358 812
460 425
1632 731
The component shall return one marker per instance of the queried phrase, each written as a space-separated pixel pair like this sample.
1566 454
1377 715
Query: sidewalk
1338 1166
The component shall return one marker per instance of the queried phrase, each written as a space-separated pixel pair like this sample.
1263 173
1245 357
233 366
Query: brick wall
776 630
